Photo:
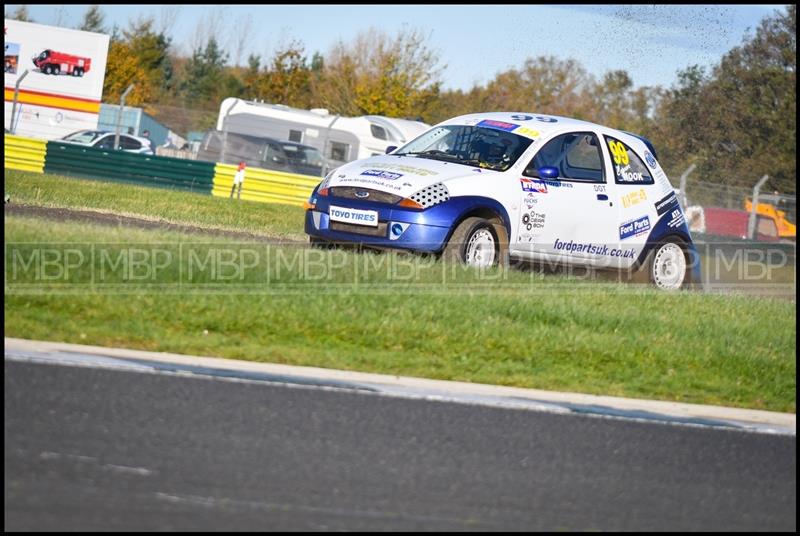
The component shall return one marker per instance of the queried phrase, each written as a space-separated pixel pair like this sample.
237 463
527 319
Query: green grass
406 315
274 220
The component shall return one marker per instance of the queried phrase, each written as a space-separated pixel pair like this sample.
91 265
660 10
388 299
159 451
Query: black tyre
47 69
475 242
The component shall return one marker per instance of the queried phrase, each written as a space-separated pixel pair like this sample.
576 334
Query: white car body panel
616 215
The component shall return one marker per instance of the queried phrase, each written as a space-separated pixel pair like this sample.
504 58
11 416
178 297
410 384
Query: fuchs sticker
533 185
634 228
499 125
666 204
382 174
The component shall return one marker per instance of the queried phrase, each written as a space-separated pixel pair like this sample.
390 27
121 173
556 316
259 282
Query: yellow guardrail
27 154
265 185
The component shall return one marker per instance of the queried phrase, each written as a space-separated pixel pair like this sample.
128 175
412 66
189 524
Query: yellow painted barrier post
26 154
265 185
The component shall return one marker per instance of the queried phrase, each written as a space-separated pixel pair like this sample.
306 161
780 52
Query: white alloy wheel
669 267
481 249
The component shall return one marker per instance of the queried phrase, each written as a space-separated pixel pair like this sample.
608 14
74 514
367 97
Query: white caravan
339 139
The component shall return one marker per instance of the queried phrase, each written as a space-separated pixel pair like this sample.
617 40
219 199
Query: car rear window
628 167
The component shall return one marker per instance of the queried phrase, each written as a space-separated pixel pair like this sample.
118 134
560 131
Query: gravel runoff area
106 218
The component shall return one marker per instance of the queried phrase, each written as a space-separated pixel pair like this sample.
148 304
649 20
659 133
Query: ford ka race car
481 188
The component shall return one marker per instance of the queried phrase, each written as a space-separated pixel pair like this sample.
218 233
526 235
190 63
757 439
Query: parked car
482 188
102 139
265 153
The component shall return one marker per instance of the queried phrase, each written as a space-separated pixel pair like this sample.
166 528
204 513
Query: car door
106 142
127 143
570 217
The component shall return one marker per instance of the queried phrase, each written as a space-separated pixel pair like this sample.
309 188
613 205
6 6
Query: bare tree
167 18
60 16
240 37
209 27
21 13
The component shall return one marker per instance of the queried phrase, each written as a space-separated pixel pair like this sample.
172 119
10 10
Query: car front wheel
474 243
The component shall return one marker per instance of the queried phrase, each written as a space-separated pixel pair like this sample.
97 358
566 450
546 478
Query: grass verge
274 220
393 314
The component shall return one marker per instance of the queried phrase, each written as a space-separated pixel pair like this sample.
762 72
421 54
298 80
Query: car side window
106 143
576 155
274 155
129 144
628 167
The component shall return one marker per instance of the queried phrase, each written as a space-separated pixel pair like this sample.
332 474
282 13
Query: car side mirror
548 172
391 148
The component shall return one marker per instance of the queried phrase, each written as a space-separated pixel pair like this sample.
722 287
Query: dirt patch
105 218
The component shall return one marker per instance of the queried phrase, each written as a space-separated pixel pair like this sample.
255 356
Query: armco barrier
192 175
265 185
27 154
146 170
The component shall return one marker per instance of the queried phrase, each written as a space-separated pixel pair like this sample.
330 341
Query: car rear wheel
474 243
668 266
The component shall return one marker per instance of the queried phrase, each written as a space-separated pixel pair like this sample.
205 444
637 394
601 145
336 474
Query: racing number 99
619 152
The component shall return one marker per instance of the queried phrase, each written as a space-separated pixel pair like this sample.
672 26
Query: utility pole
225 131
751 224
683 184
13 128
325 146
119 114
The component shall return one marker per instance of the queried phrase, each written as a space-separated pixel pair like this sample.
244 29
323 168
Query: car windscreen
477 146
84 137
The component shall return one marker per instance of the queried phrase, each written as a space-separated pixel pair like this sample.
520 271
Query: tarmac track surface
94 449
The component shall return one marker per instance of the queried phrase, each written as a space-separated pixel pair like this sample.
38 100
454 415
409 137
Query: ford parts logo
362 194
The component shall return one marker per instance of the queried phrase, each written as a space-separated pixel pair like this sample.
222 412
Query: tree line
736 121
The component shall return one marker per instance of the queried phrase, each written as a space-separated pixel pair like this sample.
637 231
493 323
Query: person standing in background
238 180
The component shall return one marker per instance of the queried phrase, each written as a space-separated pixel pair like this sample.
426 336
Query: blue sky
474 42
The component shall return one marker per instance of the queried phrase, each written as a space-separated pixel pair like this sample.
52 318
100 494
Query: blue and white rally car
482 188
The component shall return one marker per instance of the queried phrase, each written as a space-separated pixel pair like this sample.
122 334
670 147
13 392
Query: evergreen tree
93 20
203 76
151 49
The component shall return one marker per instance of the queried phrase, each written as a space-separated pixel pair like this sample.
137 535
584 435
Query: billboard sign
64 85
